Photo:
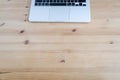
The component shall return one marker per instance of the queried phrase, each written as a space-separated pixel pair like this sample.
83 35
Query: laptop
60 11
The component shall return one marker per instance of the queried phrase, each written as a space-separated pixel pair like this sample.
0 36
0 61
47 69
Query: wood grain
59 51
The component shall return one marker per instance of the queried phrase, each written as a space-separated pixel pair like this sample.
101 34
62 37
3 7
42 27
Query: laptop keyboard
60 2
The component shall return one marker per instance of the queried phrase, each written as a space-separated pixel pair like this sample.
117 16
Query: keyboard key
68 4
46 4
81 0
80 4
38 0
68 0
65 0
76 1
72 1
43 0
57 4
40 4
50 0
73 4
35 4
84 4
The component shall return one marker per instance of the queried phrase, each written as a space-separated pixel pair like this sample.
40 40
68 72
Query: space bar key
57 4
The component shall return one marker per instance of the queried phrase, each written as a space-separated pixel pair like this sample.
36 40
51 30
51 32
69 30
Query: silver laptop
60 11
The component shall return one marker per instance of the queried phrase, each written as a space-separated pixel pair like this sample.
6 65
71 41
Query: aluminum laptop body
60 11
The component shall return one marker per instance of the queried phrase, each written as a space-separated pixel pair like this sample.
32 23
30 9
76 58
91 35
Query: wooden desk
59 51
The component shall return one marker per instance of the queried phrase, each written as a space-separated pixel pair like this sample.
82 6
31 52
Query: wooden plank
58 76
73 62
44 39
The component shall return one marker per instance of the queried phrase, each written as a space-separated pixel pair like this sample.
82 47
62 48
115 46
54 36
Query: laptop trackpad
59 14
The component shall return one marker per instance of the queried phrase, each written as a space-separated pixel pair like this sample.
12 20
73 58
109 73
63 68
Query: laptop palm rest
59 14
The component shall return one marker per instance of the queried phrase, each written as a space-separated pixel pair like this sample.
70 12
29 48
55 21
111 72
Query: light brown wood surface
59 51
